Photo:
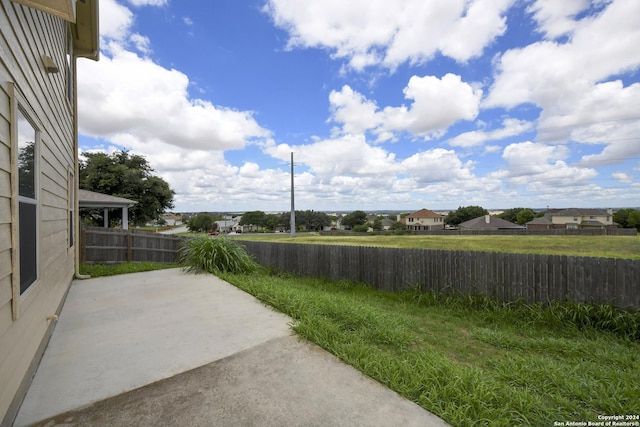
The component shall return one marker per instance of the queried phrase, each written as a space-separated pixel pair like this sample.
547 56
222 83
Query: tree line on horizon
359 220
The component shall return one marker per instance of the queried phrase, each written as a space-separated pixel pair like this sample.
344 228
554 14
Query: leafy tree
621 217
510 215
283 219
377 224
354 218
633 221
463 214
525 215
272 221
258 218
312 220
398 227
125 175
202 222
26 171
361 228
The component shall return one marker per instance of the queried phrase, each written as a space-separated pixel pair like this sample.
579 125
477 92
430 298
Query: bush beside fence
108 245
504 276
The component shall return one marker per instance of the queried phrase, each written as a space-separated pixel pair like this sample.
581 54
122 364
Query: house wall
25 35
431 223
605 219
566 219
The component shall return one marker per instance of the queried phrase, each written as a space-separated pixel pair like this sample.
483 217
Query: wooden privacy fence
108 245
504 276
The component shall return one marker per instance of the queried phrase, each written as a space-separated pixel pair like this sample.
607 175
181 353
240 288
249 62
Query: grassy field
494 366
595 246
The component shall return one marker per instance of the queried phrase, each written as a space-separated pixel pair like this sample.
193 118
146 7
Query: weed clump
215 255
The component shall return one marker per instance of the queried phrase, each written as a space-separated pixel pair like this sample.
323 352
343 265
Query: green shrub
215 255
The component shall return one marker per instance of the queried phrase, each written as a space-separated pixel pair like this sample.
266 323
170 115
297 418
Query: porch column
125 218
106 218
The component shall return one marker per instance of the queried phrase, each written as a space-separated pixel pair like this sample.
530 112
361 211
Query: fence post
83 245
129 251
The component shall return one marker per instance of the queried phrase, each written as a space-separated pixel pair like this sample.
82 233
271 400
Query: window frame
19 104
71 208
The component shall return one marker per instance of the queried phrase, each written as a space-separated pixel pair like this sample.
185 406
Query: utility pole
293 207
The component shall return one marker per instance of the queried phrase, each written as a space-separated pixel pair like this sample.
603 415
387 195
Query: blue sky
386 105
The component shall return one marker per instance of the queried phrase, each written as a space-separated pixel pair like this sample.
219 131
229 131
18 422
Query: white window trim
71 210
19 101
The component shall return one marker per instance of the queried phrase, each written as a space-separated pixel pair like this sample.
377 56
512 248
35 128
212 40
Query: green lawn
100 270
594 246
489 366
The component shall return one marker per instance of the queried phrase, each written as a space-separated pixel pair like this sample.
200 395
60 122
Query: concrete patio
165 348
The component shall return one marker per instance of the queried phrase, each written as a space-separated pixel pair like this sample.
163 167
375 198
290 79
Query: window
27 200
71 208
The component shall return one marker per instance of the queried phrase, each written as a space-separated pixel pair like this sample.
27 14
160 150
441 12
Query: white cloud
556 18
125 93
622 177
115 21
347 166
603 112
546 72
569 80
371 32
542 168
356 113
142 43
436 105
510 127
148 2
134 103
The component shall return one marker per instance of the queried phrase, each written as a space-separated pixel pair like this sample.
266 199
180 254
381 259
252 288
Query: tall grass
215 255
472 362
603 317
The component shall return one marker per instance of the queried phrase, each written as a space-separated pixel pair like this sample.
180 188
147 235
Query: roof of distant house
91 199
424 213
489 221
580 212
546 219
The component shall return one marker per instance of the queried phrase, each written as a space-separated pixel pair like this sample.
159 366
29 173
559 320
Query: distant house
226 225
387 223
424 220
489 222
40 41
172 219
573 219
92 200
